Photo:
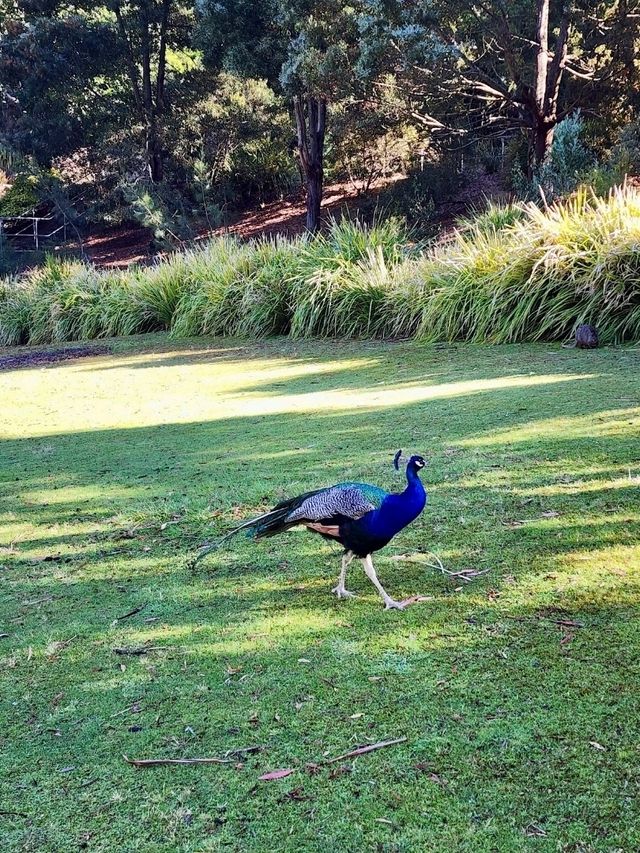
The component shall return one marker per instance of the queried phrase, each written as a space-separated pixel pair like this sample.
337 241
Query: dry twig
158 762
361 750
130 613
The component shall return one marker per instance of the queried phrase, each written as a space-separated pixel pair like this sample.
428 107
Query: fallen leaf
276 774
596 745
356 716
383 820
304 660
375 678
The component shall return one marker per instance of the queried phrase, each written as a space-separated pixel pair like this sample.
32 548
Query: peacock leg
339 590
389 603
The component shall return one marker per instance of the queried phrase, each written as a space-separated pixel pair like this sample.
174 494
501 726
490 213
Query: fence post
35 232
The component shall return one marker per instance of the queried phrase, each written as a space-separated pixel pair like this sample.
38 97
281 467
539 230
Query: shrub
511 274
415 197
568 164
21 197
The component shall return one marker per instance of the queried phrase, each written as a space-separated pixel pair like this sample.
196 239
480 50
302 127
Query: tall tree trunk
546 87
148 98
311 117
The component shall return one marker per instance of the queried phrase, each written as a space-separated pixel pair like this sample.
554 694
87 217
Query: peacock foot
391 604
341 592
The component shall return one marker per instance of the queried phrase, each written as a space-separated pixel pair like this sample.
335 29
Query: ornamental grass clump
518 273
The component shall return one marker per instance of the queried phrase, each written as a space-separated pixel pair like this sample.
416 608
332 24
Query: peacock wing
352 500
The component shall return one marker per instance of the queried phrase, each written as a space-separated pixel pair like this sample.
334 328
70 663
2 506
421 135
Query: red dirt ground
124 246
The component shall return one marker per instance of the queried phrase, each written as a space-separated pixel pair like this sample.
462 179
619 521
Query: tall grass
508 274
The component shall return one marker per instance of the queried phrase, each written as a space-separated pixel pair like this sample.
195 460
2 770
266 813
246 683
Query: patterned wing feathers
345 499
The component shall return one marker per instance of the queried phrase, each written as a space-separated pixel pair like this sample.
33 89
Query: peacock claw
341 592
391 604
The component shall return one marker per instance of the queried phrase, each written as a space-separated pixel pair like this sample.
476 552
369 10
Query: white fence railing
32 231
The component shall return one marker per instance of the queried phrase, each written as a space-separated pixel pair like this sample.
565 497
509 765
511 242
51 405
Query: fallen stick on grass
136 650
158 762
361 750
130 613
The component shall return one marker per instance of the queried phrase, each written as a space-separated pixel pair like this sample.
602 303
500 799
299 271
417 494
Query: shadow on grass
529 456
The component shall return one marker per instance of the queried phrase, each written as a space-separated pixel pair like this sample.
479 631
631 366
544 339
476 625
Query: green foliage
417 196
626 154
537 279
512 274
161 209
342 278
21 197
243 136
493 218
567 167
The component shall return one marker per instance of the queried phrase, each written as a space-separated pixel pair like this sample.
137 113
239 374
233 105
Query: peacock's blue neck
398 510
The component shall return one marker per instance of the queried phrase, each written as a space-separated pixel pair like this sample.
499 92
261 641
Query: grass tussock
514 273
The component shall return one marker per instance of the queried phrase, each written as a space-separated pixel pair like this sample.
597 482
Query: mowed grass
517 692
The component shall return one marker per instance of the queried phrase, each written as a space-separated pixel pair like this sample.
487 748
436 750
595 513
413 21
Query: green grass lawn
517 693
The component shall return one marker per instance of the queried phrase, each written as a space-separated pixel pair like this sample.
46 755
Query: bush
511 274
21 197
416 197
567 167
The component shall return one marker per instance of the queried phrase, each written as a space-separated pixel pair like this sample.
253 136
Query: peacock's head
414 464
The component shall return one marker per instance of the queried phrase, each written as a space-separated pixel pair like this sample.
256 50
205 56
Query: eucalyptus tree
478 67
308 51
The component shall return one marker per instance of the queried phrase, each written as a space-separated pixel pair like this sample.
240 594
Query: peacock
361 517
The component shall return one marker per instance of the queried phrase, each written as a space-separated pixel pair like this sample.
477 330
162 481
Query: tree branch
132 71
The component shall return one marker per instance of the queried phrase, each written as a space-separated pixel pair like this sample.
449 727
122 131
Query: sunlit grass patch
114 469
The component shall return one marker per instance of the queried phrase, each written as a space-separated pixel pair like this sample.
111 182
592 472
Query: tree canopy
140 93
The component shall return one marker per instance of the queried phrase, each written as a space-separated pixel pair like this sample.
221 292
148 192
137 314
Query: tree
307 50
311 119
51 89
144 29
480 67
68 74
